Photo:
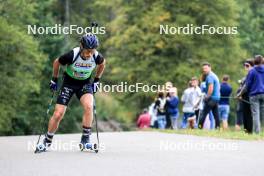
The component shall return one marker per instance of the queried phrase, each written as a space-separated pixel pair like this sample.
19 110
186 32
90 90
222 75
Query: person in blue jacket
172 107
255 87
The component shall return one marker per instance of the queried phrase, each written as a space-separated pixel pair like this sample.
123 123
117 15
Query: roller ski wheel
41 148
89 146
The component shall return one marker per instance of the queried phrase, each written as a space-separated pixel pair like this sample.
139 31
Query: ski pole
96 126
46 117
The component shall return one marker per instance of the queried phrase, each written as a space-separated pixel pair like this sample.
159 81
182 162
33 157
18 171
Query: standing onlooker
239 107
168 86
255 87
160 106
144 120
210 115
224 107
172 106
188 104
153 116
197 96
244 115
212 95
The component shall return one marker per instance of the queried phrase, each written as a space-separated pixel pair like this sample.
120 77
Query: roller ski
85 144
43 147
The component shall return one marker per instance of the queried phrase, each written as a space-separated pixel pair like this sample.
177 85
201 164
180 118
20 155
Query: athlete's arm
100 69
56 68
62 60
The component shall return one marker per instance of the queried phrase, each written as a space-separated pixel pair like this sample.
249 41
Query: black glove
53 84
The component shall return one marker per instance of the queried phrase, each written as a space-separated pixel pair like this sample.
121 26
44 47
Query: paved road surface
133 154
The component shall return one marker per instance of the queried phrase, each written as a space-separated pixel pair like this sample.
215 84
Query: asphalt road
135 154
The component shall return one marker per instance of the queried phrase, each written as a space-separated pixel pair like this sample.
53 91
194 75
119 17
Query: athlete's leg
85 95
56 118
52 127
87 104
63 99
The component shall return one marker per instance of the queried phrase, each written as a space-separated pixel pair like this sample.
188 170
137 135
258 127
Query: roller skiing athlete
80 63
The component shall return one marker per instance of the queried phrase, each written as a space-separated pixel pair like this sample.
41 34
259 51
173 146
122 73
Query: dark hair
249 61
160 95
225 78
258 59
206 63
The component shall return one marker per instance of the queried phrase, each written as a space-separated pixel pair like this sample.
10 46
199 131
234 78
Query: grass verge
225 134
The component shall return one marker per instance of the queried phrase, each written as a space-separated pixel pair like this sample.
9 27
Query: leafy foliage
132 45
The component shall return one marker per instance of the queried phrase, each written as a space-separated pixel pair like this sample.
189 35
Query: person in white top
191 99
187 100
197 97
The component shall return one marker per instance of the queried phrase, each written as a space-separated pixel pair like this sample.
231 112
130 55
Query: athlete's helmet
89 41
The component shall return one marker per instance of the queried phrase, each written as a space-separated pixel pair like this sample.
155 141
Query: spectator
197 96
188 104
212 95
244 115
224 107
239 117
153 116
255 87
239 108
168 86
159 106
210 115
172 105
144 120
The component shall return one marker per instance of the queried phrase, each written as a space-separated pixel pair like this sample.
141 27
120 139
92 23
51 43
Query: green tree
20 67
138 53
251 26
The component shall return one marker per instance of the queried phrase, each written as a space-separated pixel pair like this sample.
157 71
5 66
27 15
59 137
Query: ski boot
42 147
86 145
